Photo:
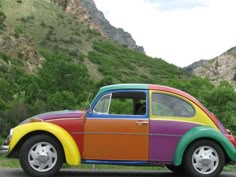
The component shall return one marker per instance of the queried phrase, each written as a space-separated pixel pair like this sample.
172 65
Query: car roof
138 86
124 86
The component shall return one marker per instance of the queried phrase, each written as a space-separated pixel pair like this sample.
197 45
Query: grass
8 163
14 163
230 168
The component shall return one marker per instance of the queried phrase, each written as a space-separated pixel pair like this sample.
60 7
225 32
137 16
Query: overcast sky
178 31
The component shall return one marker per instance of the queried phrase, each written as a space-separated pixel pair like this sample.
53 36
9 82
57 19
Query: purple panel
164 136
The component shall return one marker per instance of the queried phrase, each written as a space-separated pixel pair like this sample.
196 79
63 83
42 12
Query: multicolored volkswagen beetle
127 124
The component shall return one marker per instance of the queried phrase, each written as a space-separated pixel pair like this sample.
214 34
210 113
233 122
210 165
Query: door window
122 103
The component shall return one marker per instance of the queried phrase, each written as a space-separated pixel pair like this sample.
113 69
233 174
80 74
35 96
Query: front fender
201 132
71 150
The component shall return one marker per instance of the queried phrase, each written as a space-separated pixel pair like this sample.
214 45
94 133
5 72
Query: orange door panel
116 139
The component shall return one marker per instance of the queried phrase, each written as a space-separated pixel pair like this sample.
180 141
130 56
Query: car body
127 124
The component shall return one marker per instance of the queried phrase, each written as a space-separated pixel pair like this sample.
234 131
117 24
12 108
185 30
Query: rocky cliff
218 69
19 46
195 65
87 12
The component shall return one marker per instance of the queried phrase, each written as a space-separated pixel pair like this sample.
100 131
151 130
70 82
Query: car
126 124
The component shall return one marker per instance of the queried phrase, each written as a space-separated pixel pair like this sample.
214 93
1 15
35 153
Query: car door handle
141 122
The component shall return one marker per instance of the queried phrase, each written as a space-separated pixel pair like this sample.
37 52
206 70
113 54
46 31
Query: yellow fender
71 150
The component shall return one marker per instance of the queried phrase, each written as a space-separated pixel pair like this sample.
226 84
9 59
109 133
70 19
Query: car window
171 106
122 103
102 107
121 106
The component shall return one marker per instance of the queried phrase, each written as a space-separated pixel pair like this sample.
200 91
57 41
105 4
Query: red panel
75 127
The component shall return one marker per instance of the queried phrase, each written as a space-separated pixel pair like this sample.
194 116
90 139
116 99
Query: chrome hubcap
205 160
42 156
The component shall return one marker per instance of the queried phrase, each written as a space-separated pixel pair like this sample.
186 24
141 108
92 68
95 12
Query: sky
178 31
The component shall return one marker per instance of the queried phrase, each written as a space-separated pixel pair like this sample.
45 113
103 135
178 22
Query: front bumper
4 149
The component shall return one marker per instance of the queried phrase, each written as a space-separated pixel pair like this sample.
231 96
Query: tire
176 169
204 158
41 156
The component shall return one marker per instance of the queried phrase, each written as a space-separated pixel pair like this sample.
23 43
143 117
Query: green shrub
27 19
2 19
43 24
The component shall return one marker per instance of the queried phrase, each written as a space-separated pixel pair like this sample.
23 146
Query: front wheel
204 158
41 156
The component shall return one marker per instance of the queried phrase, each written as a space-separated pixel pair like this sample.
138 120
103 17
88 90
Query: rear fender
203 132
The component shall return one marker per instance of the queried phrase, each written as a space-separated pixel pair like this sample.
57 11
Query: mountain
87 12
195 65
66 26
217 69
54 54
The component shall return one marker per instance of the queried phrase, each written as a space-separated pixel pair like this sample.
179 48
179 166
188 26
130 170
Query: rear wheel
41 156
204 158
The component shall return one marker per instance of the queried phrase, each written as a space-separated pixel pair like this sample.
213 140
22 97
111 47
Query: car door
116 128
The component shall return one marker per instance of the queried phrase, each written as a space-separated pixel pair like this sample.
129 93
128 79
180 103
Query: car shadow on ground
114 173
6 172
123 173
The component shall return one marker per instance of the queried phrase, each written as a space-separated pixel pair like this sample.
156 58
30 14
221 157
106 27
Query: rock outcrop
20 46
87 12
195 65
218 69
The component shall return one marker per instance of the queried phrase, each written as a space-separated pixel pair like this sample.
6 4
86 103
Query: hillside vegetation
51 61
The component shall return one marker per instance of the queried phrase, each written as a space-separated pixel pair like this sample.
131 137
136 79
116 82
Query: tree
222 102
61 101
60 72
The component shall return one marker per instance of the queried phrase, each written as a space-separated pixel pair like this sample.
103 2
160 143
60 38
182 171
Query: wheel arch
23 132
15 150
199 133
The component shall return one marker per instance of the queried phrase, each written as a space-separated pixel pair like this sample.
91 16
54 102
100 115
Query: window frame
91 114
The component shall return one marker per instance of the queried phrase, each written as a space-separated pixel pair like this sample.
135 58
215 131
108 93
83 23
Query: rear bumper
232 139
